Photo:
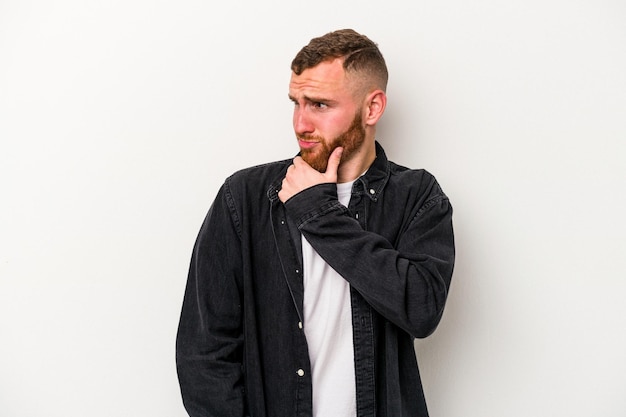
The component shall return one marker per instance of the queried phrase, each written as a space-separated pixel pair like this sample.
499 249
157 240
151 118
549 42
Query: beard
351 140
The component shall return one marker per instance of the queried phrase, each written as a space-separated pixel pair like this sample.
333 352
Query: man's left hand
301 175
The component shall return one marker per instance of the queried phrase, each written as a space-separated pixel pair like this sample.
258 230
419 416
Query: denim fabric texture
241 348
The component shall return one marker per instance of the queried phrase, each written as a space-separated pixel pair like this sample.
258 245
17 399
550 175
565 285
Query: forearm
408 283
210 384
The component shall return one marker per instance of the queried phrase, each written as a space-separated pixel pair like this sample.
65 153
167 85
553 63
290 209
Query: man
311 277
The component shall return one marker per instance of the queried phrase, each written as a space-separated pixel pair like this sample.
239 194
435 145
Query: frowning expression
326 113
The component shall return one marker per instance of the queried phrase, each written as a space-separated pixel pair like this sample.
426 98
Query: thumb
333 162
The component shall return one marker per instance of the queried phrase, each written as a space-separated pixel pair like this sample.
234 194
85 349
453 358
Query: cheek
295 116
333 125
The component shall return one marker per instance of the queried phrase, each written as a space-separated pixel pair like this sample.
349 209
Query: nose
301 123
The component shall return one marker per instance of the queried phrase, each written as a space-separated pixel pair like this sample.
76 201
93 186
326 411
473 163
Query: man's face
325 115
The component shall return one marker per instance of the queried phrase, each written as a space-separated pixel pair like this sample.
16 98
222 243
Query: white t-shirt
328 330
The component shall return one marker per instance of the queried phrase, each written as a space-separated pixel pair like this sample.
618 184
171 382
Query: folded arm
406 282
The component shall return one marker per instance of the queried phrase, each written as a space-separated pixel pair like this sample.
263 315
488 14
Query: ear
375 102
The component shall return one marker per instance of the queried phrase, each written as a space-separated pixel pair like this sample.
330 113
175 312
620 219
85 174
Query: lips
306 144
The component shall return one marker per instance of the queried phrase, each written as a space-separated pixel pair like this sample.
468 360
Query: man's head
338 87
360 56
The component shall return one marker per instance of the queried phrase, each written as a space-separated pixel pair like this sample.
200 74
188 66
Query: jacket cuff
312 203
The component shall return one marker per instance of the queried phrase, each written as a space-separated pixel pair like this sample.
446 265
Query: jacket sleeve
407 282
209 342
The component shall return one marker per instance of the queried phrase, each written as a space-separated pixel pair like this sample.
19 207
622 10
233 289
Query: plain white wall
120 119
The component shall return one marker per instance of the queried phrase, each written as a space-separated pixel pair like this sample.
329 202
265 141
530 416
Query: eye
319 105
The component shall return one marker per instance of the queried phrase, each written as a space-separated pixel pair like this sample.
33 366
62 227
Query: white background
119 120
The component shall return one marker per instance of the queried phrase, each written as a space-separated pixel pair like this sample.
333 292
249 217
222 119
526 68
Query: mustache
308 137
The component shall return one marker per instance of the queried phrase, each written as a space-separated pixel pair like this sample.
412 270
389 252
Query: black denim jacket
241 348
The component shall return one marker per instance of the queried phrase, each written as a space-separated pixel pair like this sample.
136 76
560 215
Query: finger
333 161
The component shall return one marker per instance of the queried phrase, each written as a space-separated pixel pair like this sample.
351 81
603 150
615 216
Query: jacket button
372 191
300 372
299 325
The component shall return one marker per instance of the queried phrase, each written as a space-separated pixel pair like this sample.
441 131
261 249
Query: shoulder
401 179
415 173
416 188
257 178
420 180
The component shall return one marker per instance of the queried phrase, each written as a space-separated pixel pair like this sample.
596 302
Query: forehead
325 78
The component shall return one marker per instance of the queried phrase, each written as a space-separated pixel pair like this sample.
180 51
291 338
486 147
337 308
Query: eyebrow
312 99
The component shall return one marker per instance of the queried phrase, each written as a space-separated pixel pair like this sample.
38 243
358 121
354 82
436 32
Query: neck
359 162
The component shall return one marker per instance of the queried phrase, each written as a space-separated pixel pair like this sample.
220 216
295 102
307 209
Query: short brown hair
359 53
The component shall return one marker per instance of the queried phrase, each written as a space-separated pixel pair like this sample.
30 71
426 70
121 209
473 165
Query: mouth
306 144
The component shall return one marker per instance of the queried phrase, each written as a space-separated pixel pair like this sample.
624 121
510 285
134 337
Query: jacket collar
374 180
